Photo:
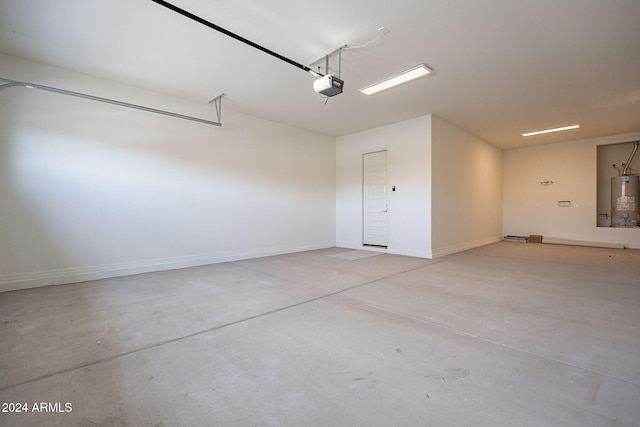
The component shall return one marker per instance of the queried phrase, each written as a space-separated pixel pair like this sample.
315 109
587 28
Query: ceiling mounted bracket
331 62
218 101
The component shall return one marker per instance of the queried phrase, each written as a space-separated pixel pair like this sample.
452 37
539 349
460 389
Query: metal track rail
228 33
217 101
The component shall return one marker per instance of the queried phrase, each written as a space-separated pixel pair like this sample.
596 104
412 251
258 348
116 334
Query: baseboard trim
448 250
409 252
570 242
13 282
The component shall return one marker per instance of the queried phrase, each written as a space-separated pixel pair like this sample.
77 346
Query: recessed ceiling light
398 79
539 132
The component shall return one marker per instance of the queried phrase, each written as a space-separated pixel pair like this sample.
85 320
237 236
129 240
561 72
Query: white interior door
374 200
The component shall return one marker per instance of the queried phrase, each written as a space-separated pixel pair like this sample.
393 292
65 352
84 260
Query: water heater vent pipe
625 170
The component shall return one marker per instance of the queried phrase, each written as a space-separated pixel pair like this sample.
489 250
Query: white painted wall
91 190
409 157
530 208
466 194
448 187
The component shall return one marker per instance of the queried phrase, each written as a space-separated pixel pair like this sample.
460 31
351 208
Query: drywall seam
12 282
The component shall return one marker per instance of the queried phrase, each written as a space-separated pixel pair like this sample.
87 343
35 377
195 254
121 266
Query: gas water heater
625 196
624 200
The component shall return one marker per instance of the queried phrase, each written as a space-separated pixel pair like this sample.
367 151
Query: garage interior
193 233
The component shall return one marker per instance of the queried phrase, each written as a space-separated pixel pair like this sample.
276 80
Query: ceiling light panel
540 132
405 76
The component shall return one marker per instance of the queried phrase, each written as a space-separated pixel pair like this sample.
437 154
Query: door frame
382 248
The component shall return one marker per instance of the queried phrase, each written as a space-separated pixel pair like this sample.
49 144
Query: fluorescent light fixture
539 132
398 79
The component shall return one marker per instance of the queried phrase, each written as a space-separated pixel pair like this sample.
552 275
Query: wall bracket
217 101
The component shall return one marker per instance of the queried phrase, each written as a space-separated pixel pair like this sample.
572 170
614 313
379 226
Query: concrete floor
510 334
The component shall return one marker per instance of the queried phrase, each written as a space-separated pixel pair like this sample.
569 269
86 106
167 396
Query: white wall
91 190
530 208
409 157
448 187
466 195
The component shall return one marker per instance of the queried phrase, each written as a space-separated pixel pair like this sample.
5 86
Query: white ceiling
501 67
